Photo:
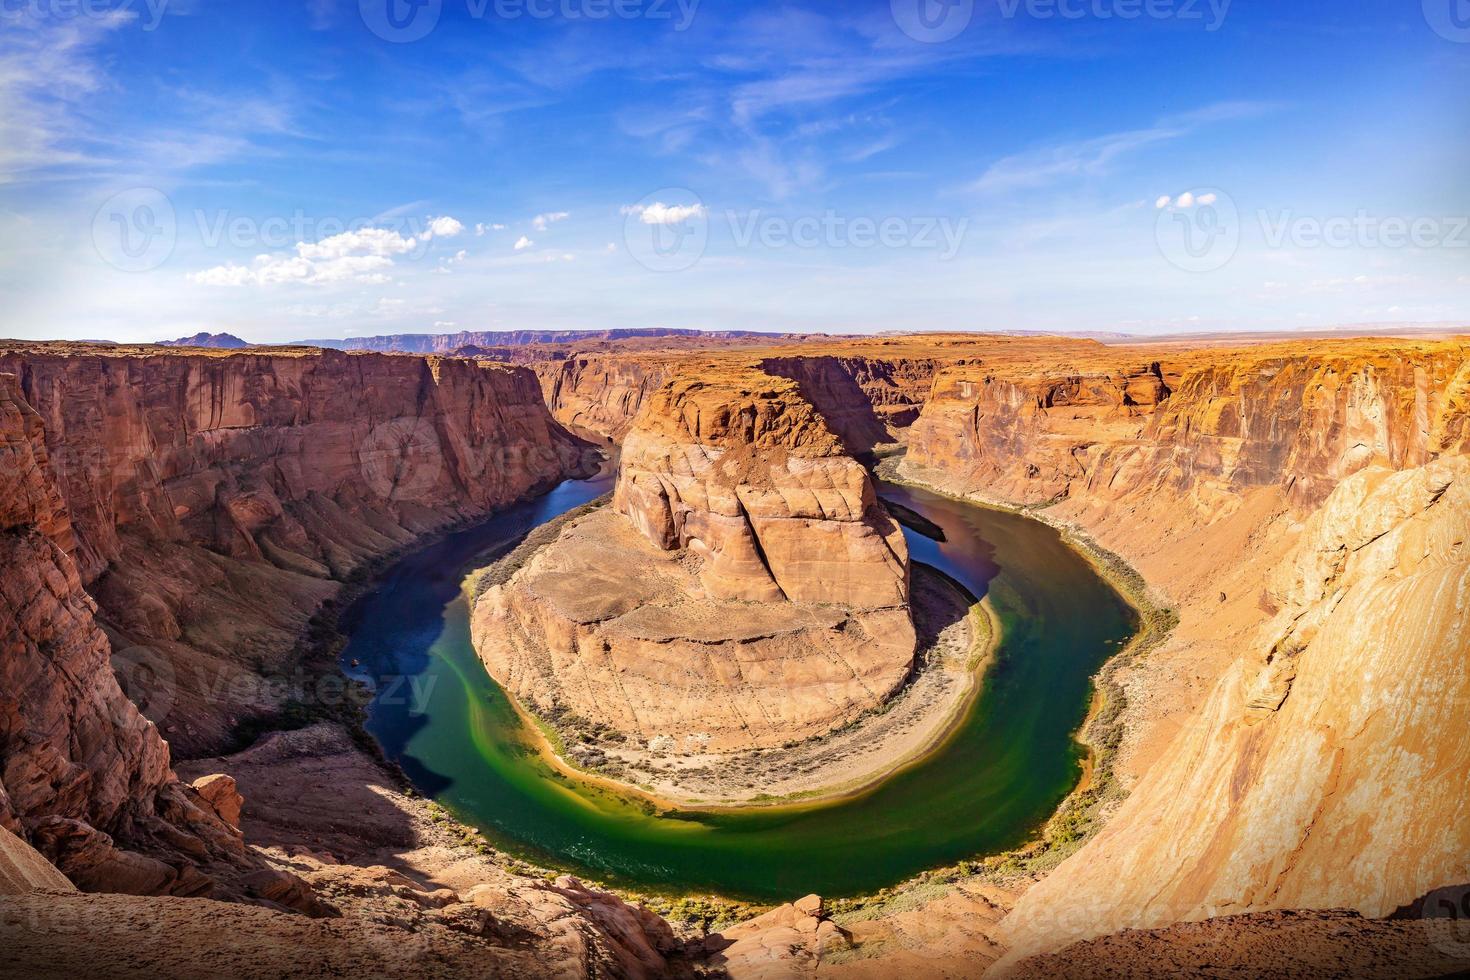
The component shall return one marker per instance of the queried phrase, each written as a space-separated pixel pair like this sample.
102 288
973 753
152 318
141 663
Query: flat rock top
601 570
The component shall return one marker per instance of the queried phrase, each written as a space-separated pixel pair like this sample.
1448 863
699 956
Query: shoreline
983 640
1082 813
1028 861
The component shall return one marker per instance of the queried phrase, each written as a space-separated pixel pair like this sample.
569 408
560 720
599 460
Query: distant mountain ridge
447 343
222 340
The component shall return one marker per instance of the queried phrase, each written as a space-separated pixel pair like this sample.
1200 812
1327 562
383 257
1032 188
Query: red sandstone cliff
217 500
79 766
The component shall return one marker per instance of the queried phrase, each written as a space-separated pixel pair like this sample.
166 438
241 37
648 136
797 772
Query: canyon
1301 508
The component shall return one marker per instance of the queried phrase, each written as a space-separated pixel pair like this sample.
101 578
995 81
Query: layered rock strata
81 770
1303 508
1318 773
749 590
218 500
1125 422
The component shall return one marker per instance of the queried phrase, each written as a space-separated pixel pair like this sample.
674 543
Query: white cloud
1206 200
445 227
353 256
611 247
365 241
542 221
523 243
659 213
1163 202
497 227
1186 201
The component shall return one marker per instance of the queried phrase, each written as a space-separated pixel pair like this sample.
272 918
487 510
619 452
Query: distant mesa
222 340
490 339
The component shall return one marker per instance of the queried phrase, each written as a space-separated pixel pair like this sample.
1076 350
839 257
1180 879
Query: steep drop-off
1318 773
1284 742
218 500
79 766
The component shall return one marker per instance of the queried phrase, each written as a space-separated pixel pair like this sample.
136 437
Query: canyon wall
1322 771
747 590
866 400
1304 509
79 765
218 500
750 478
1116 425
601 395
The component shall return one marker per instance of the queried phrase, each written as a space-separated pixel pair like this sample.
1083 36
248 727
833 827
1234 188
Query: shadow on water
1009 764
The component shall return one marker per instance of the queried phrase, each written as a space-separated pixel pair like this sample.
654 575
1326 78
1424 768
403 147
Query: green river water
1009 764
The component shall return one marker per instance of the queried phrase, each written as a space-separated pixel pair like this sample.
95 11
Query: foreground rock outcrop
749 590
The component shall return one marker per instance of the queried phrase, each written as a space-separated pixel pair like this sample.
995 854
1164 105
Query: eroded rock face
77 760
751 480
211 503
746 590
1211 423
1319 773
867 400
218 500
601 395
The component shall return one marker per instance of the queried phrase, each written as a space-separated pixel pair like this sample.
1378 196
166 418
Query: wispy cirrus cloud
1044 166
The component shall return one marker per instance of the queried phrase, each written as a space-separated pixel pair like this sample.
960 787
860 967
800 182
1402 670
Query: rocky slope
218 500
1282 743
750 590
1317 774
601 395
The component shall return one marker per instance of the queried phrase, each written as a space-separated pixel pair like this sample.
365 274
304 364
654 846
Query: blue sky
1148 166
